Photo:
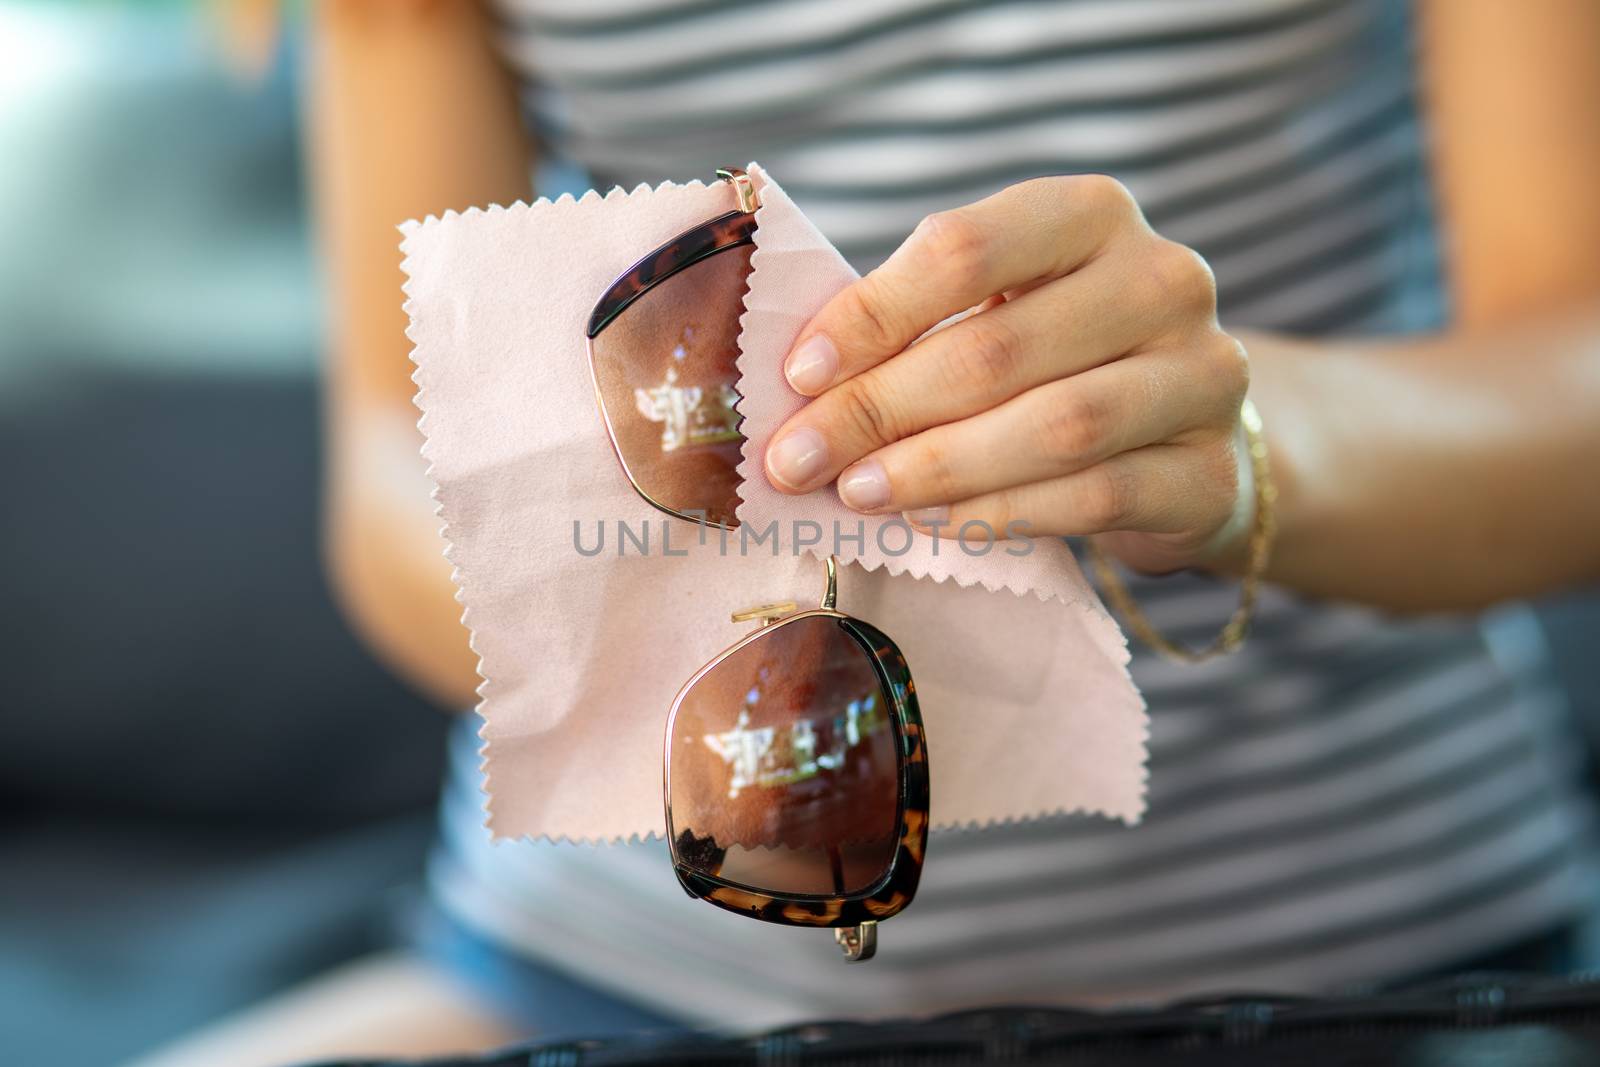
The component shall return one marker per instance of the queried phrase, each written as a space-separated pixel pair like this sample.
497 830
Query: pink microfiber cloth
1020 673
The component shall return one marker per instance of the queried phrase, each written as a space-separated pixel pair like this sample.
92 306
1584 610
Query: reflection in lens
665 368
782 768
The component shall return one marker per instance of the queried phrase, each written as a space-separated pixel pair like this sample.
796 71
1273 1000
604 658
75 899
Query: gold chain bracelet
1263 530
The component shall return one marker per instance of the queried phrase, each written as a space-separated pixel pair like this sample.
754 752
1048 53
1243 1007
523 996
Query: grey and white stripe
1352 796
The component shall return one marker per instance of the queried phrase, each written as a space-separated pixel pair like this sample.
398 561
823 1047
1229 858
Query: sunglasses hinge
746 190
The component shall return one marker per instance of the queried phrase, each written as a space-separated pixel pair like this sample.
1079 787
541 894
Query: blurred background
211 791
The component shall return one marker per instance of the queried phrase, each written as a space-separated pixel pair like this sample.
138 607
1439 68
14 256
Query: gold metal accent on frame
767 613
858 942
771 613
746 190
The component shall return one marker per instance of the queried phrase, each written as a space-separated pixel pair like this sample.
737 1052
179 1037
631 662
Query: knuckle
1073 429
1180 279
957 244
876 326
933 477
990 516
1215 372
1231 367
1109 499
984 350
865 413
982 528
1103 193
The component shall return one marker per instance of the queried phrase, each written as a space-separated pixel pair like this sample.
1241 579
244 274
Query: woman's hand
1092 391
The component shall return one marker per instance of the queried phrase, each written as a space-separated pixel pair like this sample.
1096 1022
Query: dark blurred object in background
1484 1020
211 790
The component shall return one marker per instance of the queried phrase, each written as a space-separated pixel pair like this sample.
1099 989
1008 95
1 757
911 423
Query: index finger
953 260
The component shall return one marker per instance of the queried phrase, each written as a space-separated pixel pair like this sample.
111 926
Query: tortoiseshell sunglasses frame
725 232
853 916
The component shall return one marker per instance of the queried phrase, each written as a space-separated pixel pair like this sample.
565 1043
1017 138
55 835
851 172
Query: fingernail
928 516
811 367
864 486
796 458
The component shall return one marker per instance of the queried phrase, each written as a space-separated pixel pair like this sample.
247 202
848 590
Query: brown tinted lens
783 773
665 368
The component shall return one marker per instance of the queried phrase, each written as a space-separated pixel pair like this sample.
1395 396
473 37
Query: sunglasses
796 777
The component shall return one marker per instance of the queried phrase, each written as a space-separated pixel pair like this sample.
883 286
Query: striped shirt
1352 797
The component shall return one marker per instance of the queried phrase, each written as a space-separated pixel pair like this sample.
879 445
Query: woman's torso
1351 797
